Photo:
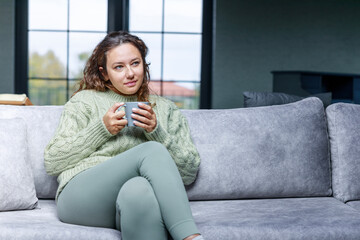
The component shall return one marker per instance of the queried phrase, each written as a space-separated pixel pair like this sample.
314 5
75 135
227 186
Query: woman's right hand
113 119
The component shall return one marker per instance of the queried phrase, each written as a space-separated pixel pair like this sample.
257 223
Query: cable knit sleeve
173 132
78 135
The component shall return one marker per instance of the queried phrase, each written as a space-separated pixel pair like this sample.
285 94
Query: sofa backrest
262 152
41 122
344 131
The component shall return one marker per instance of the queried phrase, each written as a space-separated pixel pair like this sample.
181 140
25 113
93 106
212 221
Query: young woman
110 175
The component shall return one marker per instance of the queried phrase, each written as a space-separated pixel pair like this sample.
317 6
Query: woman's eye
136 63
119 67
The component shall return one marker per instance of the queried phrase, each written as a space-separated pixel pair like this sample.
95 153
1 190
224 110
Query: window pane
80 49
185 95
47 92
145 15
182 57
73 86
153 42
47 54
183 16
88 15
45 14
155 87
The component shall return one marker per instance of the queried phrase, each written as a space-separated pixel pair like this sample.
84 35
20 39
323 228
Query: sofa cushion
17 189
41 124
354 204
43 223
344 123
263 152
257 99
277 219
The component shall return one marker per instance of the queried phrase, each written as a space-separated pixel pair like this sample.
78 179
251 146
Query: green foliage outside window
47 65
42 69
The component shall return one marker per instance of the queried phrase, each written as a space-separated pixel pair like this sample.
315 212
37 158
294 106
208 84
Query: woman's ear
103 73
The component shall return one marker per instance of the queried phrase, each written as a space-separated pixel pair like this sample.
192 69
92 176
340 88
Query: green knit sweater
82 141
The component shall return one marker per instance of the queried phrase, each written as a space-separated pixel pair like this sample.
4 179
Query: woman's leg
89 198
138 211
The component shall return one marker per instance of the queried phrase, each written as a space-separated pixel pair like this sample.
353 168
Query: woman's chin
131 92
126 92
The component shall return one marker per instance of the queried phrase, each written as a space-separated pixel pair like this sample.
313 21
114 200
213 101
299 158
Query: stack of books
15 99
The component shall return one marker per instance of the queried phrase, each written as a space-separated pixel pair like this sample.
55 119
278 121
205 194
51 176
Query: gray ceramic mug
127 107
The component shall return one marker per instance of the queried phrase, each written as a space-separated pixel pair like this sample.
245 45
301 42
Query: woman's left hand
145 116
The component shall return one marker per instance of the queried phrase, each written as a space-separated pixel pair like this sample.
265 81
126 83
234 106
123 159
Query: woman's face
125 69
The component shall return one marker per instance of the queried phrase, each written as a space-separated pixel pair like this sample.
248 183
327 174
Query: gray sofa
280 172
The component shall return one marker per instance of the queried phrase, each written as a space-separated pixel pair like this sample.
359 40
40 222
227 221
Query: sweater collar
121 98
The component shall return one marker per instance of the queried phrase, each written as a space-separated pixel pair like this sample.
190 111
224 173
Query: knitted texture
82 141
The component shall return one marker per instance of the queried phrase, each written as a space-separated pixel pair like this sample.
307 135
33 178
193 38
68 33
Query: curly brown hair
93 78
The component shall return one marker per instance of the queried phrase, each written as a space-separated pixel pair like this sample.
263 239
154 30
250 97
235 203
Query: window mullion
67 49
116 22
21 47
206 55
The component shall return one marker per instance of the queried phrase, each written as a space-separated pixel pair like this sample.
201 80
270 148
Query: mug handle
124 117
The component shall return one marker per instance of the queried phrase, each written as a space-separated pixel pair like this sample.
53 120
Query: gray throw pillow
258 99
343 127
17 189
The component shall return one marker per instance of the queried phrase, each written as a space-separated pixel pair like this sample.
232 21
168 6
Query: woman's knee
136 195
154 147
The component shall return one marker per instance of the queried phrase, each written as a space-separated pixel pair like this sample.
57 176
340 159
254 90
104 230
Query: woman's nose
129 73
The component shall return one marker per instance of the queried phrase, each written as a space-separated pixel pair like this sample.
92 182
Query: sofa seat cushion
262 152
41 124
42 223
354 204
280 219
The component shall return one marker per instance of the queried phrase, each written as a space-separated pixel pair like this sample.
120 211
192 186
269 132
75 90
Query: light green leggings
139 191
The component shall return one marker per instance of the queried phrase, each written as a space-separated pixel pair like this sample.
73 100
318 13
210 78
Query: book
15 99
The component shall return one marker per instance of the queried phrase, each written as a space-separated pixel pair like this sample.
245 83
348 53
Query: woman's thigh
89 198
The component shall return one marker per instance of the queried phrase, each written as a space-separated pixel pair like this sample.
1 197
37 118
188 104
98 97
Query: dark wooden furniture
344 87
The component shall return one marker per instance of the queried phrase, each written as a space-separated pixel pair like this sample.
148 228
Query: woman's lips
130 84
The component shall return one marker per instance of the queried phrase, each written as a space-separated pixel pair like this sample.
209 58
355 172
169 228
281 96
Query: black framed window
61 36
173 32
180 52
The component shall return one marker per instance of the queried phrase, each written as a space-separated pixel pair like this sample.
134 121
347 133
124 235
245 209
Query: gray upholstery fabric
41 124
263 152
257 99
42 223
354 204
281 219
17 189
344 125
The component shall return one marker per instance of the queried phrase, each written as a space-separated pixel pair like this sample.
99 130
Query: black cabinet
344 87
